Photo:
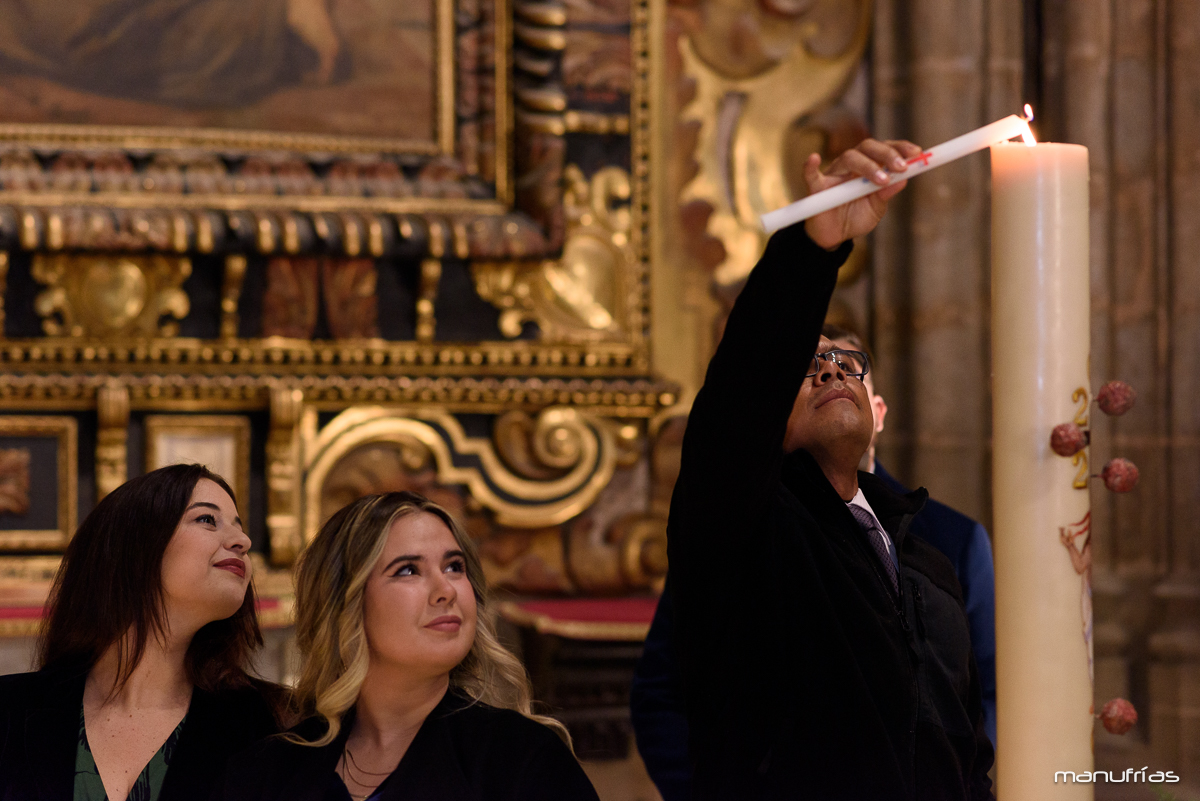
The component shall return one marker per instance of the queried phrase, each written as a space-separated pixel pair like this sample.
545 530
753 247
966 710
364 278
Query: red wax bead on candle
1067 439
1118 716
1120 475
1116 398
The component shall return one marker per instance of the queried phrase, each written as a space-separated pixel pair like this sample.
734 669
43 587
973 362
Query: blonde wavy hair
330 585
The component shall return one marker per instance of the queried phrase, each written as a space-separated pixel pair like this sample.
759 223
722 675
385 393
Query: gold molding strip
505 189
280 356
140 137
446 93
234 202
646 40
610 398
170 230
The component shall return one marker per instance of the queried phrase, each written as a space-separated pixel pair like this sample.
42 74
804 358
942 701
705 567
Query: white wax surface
1040 342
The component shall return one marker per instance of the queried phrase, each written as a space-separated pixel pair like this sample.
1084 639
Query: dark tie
875 537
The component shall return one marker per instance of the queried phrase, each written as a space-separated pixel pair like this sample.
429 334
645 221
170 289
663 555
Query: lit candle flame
1027 134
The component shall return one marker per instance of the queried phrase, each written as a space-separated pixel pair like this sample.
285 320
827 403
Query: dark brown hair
110 584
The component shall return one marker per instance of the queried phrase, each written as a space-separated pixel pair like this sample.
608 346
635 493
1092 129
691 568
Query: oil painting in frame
293 74
220 442
38 489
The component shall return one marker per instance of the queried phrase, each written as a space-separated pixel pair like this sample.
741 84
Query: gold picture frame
220 442
545 245
26 453
451 71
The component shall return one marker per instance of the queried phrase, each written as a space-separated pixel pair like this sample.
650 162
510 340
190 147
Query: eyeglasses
851 362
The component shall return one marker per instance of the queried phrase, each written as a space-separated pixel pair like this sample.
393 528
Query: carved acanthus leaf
580 296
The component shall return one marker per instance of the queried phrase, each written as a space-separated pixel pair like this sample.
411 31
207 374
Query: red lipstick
235 566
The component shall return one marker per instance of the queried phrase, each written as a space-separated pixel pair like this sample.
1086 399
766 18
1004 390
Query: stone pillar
1086 33
949 320
940 68
891 301
1175 645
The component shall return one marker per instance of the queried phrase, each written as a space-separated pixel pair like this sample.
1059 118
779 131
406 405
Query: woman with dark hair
142 691
405 688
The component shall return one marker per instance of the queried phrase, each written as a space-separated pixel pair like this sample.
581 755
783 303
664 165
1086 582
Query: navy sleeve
657 711
978 577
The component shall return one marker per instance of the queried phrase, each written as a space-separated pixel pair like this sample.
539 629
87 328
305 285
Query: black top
464 751
804 676
39 732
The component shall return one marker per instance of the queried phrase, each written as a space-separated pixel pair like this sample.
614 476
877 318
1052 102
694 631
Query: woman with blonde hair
405 691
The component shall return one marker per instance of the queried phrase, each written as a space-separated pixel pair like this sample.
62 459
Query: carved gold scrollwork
108 295
516 439
575 451
758 71
642 540
578 297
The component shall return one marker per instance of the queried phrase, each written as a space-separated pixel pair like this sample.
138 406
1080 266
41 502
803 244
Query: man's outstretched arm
734 442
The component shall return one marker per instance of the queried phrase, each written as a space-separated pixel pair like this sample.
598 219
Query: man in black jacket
656 697
822 657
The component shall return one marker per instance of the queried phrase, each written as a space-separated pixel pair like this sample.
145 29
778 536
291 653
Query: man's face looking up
833 414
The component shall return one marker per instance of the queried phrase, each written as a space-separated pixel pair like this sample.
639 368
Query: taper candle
999 131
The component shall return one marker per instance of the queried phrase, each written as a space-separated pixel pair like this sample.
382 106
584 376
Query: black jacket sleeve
553 774
733 448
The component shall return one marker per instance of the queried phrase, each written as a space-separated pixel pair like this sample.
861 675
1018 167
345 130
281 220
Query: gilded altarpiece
432 276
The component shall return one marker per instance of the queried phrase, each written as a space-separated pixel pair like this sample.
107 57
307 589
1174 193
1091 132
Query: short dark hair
110 583
836 332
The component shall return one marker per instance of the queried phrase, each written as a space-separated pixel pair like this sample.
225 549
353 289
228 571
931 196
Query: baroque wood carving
206 269
764 73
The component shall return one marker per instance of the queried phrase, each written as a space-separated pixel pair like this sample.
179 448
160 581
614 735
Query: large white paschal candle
1040 342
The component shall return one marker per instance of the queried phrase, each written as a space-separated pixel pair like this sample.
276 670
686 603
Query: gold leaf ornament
110 295
575 298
